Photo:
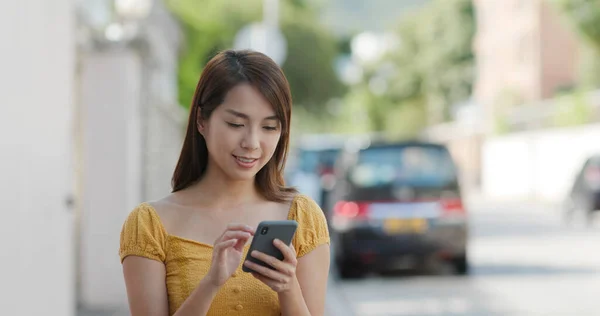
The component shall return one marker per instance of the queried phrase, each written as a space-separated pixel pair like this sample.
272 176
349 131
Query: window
428 166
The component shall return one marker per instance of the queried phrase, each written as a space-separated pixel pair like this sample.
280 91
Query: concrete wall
164 118
524 50
540 165
132 132
37 59
559 51
111 120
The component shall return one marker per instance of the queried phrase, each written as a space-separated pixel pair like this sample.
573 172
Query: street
525 261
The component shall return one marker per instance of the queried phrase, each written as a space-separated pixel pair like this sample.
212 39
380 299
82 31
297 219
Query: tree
585 16
431 70
446 30
211 25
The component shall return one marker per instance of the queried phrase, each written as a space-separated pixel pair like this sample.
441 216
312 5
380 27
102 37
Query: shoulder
143 214
304 207
143 234
312 224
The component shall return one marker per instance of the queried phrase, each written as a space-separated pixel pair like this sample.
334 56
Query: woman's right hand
227 253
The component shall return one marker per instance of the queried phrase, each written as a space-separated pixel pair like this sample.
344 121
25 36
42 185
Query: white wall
36 104
132 133
539 164
110 97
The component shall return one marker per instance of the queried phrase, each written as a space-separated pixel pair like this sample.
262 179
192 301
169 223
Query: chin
235 174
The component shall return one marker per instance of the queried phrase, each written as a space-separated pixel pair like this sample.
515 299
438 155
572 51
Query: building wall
536 165
111 155
523 49
559 52
133 130
164 118
37 62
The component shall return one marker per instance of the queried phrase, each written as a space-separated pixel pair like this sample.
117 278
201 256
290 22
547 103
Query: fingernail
254 253
277 241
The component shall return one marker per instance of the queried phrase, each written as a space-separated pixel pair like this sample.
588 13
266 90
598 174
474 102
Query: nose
251 140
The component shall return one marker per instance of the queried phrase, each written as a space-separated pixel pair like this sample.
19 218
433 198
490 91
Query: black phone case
282 230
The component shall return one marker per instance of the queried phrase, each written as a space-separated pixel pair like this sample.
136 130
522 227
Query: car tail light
348 209
452 207
325 170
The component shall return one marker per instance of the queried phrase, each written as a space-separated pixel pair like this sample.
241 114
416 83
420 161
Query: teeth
245 159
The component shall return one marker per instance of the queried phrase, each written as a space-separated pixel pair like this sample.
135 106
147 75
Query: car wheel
461 265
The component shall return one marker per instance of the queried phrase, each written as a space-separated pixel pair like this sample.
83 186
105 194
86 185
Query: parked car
396 205
584 196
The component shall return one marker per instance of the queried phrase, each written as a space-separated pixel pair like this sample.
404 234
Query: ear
200 122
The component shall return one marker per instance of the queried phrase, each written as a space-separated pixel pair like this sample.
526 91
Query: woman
182 255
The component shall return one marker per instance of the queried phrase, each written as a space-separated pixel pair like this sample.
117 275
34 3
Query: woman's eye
270 128
235 125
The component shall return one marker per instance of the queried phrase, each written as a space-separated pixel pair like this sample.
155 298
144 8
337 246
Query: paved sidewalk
478 202
103 312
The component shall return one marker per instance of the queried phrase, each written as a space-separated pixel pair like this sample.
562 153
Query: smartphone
266 232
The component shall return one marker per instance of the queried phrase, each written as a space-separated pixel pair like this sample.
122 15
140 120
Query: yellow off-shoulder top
187 261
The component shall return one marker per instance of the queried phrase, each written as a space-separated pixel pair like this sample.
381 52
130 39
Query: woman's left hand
283 275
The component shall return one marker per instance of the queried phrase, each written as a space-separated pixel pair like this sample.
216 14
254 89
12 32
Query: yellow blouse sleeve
312 226
143 235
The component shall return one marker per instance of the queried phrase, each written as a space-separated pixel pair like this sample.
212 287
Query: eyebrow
245 116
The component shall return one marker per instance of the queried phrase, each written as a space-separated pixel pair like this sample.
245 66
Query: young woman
182 255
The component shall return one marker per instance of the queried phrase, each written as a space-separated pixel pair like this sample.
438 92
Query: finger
235 235
272 261
225 244
239 246
266 272
241 227
288 253
264 279
275 286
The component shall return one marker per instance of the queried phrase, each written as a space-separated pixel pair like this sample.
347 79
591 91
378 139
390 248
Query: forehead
248 100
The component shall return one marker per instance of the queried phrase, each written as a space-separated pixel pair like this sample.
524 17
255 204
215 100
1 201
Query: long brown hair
224 71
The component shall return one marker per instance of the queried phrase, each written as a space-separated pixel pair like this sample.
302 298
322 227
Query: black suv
395 205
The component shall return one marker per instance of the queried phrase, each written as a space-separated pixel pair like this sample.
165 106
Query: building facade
525 51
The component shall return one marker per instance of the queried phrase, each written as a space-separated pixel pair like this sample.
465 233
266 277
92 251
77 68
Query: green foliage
501 125
432 69
211 25
406 121
309 63
446 32
584 15
572 109
589 67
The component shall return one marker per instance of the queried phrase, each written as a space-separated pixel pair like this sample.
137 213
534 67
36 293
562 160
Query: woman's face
242 133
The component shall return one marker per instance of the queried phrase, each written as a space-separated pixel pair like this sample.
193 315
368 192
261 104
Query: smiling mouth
245 159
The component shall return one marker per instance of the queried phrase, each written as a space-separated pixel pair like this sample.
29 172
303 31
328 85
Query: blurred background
452 144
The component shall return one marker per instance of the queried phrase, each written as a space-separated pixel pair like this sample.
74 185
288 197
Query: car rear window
310 160
426 166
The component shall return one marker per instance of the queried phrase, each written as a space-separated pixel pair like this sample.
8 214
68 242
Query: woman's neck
218 191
